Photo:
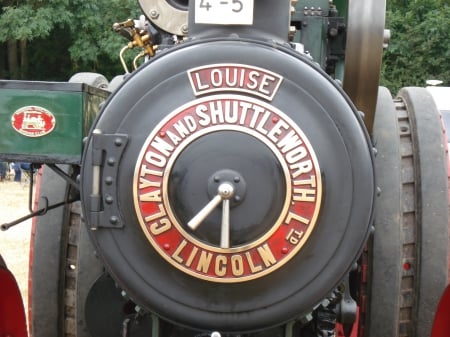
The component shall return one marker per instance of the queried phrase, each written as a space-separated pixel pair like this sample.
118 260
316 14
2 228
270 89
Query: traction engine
248 177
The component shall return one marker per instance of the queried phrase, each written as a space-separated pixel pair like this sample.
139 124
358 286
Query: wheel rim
363 55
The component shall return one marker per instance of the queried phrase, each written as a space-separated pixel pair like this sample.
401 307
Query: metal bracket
34 167
64 175
347 308
107 150
39 212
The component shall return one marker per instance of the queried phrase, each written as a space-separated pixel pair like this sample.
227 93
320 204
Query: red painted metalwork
441 325
12 313
31 256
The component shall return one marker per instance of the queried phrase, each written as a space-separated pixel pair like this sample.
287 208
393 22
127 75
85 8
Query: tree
60 37
95 46
419 49
22 23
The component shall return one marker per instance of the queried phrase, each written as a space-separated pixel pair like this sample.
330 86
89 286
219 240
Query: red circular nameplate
265 253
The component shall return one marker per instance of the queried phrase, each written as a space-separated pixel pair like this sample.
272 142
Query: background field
15 242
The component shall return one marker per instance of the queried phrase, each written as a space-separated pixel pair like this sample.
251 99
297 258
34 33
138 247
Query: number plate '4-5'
224 12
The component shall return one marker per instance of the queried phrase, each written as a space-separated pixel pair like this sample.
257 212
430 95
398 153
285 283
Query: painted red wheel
12 313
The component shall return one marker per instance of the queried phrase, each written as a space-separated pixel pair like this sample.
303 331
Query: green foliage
95 46
33 19
419 49
63 36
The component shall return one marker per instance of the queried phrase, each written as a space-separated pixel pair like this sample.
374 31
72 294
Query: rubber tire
62 263
93 79
408 255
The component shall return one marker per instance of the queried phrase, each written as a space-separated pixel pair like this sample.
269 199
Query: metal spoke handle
225 191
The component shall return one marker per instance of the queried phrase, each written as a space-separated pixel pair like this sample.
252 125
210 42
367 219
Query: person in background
3 168
17 173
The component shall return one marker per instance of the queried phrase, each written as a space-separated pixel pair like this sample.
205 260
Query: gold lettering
237 265
173 137
145 171
153 196
181 129
276 130
190 123
293 216
301 168
294 236
200 85
253 268
201 111
176 254
289 142
204 261
163 226
216 77
160 214
266 255
265 82
262 122
257 110
231 82
253 80
245 107
191 256
311 181
162 146
144 183
216 112
304 194
296 154
156 159
221 265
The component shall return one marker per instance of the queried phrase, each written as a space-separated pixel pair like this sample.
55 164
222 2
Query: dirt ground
15 242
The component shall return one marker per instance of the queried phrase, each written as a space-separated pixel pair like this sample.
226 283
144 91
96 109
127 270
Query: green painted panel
45 122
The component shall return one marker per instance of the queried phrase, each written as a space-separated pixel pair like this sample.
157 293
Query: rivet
109 199
118 142
154 14
111 161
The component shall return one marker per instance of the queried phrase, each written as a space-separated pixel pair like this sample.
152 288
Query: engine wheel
409 251
59 245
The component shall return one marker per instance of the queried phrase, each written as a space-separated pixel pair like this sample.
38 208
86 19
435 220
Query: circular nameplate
181 236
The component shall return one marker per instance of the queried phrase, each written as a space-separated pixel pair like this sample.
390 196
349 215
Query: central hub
226 191
217 162
232 178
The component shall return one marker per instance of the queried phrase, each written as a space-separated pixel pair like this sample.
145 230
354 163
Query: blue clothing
17 172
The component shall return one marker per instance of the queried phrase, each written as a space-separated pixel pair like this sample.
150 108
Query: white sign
224 12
